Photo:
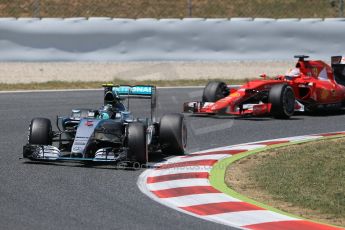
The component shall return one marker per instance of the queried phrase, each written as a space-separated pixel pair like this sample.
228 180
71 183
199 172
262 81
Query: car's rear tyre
173 134
214 91
137 146
40 132
282 99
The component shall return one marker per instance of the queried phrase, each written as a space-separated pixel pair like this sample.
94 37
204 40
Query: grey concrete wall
105 39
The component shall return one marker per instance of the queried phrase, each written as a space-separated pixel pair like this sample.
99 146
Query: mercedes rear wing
135 92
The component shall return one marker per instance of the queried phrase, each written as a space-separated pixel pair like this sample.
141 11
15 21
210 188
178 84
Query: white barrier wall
106 39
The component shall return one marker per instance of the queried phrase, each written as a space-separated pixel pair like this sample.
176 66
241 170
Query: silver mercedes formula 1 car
109 134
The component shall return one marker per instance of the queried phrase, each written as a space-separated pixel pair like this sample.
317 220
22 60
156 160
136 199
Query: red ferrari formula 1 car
311 85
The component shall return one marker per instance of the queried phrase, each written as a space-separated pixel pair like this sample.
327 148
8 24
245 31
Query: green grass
234 176
98 84
310 176
170 9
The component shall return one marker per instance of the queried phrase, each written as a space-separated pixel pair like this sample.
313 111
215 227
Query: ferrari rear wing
338 67
335 60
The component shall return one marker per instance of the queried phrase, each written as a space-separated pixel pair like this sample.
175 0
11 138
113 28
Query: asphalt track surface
73 196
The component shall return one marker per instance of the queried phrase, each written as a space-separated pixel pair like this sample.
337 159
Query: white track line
244 218
246 146
190 200
188 169
178 184
180 159
300 138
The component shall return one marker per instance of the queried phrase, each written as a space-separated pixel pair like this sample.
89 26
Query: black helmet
111 98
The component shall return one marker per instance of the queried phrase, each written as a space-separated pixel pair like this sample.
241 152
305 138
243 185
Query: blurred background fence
173 8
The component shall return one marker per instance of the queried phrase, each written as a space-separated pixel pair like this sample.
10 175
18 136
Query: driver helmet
291 73
106 111
111 97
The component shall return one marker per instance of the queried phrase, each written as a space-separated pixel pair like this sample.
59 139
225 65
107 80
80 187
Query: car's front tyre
173 134
40 131
282 99
214 91
136 141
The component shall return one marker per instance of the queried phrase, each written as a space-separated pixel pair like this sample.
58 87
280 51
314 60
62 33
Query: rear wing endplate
336 60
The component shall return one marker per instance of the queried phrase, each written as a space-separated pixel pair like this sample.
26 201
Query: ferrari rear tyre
282 99
40 132
137 146
173 134
214 91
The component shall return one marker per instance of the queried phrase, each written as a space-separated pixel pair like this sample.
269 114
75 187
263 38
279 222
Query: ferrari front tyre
137 146
173 134
214 91
282 99
40 132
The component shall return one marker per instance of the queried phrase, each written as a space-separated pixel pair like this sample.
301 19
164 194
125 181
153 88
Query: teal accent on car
134 90
104 116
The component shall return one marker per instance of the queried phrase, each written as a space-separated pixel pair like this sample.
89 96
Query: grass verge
98 84
307 180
